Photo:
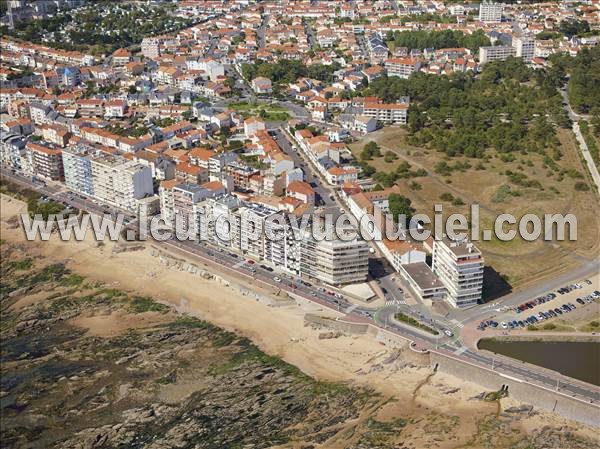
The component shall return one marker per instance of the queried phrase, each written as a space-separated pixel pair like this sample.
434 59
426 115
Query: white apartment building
167 204
334 261
218 161
387 113
490 11
495 53
78 169
524 47
459 266
185 196
150 47
402 67
120 182
264 233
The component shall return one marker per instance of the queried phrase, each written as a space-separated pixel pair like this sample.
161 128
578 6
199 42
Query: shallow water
576 359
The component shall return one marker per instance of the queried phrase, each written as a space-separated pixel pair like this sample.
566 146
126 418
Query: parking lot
556 304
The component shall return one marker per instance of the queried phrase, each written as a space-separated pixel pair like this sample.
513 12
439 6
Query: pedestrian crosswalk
239 264
351 308
460 350
458 324
394 302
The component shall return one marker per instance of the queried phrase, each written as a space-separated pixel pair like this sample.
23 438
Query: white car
276 279
504 325
448 333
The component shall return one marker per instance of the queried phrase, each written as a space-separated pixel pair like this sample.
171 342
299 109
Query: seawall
539 397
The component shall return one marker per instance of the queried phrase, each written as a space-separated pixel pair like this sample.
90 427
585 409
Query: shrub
415 186
447 197
390 156
581 187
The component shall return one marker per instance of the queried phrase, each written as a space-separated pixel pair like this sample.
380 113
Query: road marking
351 308
239 264
458 323
511 378
460 350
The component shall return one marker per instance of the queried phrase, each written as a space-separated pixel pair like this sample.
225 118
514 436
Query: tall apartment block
524 47
150 47
78 169
490 11
111 179
495 53
459 265
120 182
45 162
335 261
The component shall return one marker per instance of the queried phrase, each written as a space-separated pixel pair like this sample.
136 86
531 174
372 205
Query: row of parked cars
530 320
572 287
550 296
589 298
541 316
537 301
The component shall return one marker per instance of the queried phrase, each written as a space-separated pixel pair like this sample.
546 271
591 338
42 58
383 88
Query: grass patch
550 327
189 322
592 326
414 323
379 433
269 112
141 304
72 280
19 265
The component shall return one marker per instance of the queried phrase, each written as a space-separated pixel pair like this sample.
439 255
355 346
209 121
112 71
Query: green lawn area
269 112
412 322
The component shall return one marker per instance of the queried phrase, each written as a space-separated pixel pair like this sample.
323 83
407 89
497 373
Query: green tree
400 208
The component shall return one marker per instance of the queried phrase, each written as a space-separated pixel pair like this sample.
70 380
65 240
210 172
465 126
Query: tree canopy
437 39
400 206
508 107
288 71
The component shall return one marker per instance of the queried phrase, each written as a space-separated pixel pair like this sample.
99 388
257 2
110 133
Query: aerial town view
300 224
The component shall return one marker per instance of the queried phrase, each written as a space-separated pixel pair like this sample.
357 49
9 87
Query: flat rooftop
461 248
421 274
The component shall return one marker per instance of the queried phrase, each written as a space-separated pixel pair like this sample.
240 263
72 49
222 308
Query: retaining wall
343 326
539 397
176 263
